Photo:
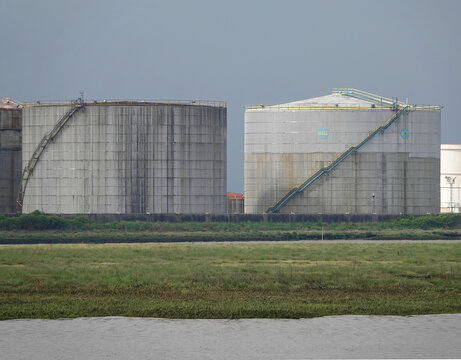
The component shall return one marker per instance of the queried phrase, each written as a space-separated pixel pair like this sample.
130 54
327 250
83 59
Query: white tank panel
286 144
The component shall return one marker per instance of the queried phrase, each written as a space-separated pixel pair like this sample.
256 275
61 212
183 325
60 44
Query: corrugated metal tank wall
401 167
10 158
137 158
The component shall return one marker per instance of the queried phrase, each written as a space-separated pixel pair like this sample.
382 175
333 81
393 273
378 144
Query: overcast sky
243 52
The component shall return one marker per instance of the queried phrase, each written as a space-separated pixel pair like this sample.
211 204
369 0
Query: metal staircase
325 170
29 168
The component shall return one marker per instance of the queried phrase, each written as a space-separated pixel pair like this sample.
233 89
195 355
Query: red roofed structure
234 203
234 196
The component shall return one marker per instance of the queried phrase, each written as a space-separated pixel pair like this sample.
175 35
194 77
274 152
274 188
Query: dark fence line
235 218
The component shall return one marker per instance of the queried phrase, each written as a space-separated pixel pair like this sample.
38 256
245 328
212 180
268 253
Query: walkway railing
376 103
130 102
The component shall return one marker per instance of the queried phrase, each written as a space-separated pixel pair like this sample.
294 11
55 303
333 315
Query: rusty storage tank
124 157
348 152
10 154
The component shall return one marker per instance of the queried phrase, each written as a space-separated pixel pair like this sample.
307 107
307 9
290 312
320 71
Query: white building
450 178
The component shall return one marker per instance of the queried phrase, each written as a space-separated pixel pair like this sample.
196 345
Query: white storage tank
450 178
124 157
348 152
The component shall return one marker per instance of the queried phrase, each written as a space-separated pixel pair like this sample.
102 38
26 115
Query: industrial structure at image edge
450 178
123 157
350 152
10 154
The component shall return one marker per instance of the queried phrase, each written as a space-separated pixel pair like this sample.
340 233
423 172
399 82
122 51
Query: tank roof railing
128 102
285 107
380 100
378 103
282 107
363 95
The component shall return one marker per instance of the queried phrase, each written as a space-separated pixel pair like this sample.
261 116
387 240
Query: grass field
229 280
38 228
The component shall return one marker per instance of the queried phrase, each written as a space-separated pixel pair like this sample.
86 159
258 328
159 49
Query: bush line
38 221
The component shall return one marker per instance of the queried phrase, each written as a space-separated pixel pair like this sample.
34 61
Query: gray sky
243 52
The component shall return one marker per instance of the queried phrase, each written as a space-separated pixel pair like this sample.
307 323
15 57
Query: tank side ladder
325 170
29 168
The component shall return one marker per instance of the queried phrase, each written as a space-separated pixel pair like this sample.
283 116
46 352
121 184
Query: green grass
36 227
52 237
229 280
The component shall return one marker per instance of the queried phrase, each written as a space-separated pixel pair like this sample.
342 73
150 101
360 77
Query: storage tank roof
330 100
7 103
344 98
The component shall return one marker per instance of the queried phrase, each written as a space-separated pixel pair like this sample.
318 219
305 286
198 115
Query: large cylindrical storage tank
126 157
350 152
10 154
450 178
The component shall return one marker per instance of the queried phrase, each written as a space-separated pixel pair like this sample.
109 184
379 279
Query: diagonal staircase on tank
327 169
47 138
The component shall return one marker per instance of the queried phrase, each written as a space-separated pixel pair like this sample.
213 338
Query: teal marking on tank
404 133
322 133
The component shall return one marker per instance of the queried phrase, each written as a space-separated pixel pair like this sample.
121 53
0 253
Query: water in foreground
427 336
